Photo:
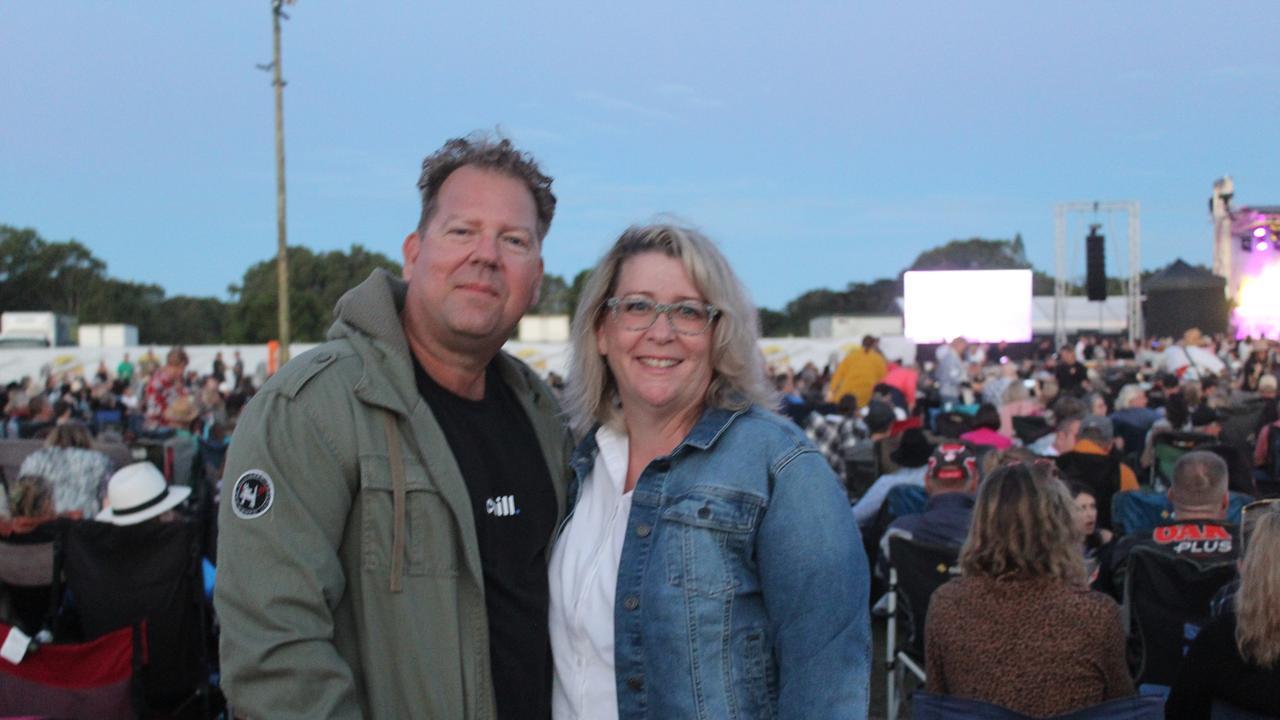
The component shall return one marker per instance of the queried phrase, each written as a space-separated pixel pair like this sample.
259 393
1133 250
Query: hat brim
175 497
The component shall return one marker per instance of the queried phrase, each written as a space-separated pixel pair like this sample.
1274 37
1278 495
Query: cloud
629 107
677 92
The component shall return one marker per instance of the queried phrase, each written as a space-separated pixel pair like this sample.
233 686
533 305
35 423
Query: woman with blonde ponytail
1236 658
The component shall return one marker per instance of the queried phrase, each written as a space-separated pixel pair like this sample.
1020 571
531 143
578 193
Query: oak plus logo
502 506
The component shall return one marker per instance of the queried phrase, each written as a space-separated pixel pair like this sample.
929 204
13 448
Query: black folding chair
119 576
1168 447
1166 602
26 578
915 570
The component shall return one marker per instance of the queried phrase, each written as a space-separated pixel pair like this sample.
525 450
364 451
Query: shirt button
643 530
636 682
631 603
323 358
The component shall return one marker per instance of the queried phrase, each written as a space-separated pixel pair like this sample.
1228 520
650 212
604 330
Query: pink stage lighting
980 305
1260 232
1257 310
1262 246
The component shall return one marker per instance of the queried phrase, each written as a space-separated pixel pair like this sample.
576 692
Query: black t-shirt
1071 377
1214 668
514 507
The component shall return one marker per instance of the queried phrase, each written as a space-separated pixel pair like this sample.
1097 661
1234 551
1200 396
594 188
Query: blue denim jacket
742 588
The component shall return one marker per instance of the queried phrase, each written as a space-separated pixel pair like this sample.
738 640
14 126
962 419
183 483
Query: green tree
316 281
553 299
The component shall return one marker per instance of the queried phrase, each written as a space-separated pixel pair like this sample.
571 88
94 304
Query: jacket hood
372 308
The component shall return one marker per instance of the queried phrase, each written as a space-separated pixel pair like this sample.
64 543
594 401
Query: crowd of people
411 523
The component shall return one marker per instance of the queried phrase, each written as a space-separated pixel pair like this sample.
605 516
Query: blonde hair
1258 599
738 378
1024 526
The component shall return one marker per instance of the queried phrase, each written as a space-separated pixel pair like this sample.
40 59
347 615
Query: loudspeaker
1096 259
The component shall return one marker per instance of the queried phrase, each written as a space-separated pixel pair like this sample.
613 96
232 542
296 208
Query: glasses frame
614 306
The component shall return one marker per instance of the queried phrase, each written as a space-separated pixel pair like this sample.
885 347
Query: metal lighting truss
1133 288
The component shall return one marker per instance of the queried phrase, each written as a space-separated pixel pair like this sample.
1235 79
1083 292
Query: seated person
861 457
1236 657
1132 418
1020 627
912 457
1067 414
1198 528
986 429
1093 461
950 481
1095 538
74 471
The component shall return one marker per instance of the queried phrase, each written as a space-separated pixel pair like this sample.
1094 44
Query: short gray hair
738 377
1127 393
1199 482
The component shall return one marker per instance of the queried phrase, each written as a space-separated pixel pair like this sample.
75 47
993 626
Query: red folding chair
75 680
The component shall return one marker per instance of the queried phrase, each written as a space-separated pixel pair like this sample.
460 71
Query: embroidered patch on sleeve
252 495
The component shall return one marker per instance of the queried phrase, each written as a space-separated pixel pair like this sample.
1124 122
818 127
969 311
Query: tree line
65 277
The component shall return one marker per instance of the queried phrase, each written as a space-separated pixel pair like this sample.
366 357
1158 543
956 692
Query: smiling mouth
482 289
658 362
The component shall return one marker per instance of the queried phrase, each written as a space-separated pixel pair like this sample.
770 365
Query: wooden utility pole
282 257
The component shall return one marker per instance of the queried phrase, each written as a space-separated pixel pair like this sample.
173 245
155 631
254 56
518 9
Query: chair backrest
927 706
150 571
74 680
1168 447
904 500
1166 602
1100 473
1136 512
1030 428
12 452
118 453
26 578
920 568
1223 710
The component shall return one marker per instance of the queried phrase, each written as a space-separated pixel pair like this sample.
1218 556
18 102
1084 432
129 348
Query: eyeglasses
637 312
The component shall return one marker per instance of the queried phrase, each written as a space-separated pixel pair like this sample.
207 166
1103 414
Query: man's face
476 267
1066 436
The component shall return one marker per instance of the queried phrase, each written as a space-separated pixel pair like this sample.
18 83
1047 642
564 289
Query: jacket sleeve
279 575
813 574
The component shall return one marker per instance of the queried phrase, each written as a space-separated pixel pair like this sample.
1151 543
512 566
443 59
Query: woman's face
1099 406
1086 513
660 372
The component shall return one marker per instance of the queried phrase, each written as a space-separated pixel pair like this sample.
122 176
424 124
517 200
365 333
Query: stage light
1262 246
1260 232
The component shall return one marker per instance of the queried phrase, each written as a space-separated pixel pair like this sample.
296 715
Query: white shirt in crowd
583 580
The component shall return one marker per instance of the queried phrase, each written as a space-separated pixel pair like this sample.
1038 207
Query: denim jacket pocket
710 531
431 546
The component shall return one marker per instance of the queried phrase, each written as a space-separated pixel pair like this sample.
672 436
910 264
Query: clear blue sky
819 142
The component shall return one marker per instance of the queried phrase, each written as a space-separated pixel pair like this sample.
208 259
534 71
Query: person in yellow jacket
859 372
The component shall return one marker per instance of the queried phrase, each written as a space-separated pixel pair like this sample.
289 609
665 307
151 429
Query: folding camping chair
119 576
927 706
915 570
75 680
1168 447
26 578
1166 602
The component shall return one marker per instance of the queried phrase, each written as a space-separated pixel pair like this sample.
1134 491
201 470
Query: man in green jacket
390 497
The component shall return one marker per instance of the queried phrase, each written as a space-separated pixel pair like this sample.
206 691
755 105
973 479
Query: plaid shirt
835 437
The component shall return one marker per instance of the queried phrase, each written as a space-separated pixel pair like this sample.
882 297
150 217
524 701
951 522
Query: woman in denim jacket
710 567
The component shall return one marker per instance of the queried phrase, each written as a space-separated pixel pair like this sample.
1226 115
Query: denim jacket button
631 603
704 512
635 682
643 530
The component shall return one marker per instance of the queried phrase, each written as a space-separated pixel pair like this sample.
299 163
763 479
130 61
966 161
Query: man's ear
409 249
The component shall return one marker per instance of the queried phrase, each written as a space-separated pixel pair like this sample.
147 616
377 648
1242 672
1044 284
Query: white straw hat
139 492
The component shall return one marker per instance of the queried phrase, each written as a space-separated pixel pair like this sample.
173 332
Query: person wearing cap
912 457
859 372
390 496
950 481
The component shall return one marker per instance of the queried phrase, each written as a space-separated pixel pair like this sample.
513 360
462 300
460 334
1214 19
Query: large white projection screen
979 305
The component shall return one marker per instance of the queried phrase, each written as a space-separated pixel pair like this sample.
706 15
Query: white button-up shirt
583 581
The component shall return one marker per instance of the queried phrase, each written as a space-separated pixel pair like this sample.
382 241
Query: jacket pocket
431 534
708 538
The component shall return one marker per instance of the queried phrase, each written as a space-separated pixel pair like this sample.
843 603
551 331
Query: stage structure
1133 285
1246 254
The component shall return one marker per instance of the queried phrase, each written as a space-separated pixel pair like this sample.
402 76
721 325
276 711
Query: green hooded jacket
349 584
